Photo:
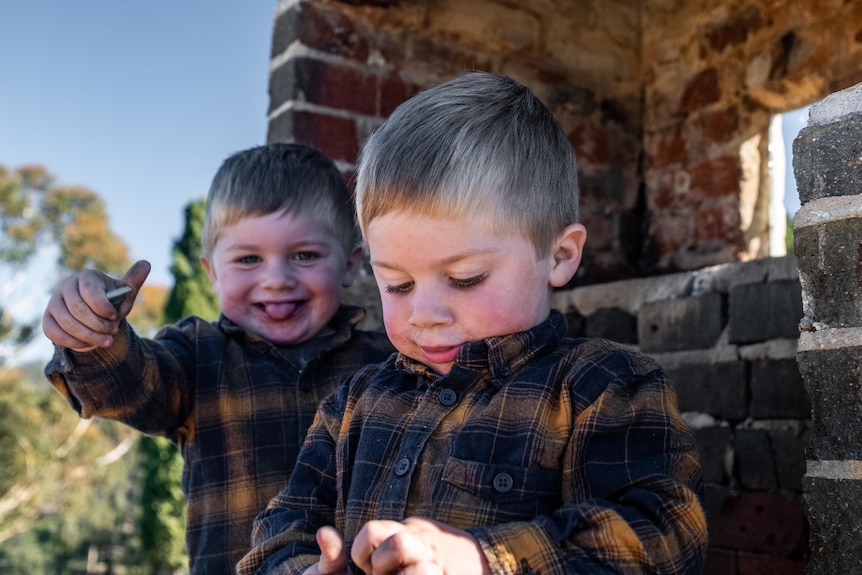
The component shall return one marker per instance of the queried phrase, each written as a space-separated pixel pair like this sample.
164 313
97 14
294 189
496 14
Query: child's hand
333 557
79 315
417 546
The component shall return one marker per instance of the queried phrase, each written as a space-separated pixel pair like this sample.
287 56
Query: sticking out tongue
280 311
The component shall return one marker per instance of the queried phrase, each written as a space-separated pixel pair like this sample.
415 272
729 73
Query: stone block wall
727 335
828 242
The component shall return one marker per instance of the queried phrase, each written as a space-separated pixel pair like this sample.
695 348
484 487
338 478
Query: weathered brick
718 389
833 380
713 178
826 159
336 137
754 459
751 564
756 522
830 267
713 445
614 324
834 510
702 90
777 390
720 126
720 562
683 323
318 27
764 311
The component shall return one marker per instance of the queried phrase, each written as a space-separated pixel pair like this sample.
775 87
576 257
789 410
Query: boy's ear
209 269
566 252
354 261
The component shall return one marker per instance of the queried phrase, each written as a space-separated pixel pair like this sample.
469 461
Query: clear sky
138 101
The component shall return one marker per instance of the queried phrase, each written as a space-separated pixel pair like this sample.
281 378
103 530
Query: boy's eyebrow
446 261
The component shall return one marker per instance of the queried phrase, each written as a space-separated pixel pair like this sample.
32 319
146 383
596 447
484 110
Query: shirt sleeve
631 493
283 537
144 383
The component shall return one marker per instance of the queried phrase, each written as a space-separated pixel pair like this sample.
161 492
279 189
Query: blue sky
138 101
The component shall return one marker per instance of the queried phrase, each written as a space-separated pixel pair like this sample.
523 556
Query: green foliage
192 293
162 506
788 238
162 515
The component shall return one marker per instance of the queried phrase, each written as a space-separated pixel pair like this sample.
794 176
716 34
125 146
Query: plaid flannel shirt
238 407
558 455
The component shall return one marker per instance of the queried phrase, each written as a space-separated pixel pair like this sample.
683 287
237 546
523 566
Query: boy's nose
279 275
428 309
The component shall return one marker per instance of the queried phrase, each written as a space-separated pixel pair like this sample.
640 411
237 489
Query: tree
44 447
162 518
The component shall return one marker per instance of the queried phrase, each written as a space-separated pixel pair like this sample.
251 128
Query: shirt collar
501 356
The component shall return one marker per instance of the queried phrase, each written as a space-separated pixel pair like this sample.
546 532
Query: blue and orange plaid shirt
237 406
558 455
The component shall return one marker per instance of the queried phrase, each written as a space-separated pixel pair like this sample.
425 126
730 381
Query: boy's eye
399 289
305 256
468 282
248 259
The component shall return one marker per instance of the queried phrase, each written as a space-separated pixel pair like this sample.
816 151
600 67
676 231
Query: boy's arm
631 493
284 535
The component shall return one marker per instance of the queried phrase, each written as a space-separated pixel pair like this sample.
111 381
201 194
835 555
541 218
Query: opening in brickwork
784 197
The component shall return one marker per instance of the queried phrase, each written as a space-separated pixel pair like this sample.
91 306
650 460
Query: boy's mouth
440 354
280 311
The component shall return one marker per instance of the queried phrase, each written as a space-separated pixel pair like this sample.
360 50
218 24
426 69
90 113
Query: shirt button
505 370
402 467
503 482
447 397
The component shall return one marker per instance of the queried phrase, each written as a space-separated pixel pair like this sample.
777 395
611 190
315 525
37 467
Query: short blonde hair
279 177
479 143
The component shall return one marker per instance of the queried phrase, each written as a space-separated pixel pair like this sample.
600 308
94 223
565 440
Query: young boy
491 443
237 395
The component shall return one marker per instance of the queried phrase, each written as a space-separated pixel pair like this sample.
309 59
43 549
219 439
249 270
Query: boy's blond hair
282 178
481 144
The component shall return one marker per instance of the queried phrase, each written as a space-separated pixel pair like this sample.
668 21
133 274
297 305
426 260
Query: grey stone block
680 324
830 268
614 324
826 160
764 311
833 506
833 380
718 389
756 466
713 445
777 390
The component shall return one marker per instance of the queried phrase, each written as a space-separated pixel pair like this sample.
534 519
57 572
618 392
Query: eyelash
456 283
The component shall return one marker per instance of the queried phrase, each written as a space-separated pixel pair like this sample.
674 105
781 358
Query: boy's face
280 276
447 282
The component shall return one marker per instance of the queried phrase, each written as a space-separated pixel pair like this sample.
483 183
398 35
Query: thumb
137 274
333 556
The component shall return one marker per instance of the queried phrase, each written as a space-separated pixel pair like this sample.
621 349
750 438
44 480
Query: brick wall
667 104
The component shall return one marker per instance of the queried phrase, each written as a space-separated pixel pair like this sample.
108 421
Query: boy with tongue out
237 395
492 443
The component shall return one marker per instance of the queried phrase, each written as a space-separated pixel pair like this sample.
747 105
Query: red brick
671 231
336 86
720 126
335 137
331 32
668 150
591 145
749 564
720 562
701 91
757 522
736 29
716 226
715 178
